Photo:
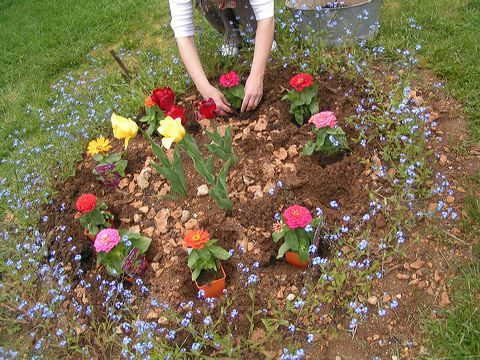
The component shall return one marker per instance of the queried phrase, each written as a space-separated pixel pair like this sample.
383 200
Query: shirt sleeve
182 17
263 9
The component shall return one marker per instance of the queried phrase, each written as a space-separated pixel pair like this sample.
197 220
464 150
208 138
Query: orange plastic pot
214 289
293 259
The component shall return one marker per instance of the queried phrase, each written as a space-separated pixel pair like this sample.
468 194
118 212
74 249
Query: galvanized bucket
337 21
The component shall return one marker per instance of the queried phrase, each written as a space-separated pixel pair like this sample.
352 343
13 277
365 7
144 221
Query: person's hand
223 106
253 93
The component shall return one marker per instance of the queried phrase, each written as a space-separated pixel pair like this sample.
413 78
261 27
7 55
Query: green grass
41 40
456 334
449 40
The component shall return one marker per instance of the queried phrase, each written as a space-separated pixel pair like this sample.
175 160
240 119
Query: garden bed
269 149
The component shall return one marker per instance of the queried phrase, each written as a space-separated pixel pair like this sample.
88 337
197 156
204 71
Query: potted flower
93 216
122 252
303 97
232 89
297 228
330 137
108 168
204 262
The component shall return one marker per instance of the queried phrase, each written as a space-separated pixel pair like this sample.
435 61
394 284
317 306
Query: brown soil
268 146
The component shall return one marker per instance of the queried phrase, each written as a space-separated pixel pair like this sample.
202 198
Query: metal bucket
359 20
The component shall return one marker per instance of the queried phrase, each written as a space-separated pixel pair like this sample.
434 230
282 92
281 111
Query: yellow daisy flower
98 146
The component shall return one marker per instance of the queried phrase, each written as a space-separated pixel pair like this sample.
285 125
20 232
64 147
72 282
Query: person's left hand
253 93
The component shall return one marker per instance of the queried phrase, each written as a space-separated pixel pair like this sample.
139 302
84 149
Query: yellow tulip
123 128
171 130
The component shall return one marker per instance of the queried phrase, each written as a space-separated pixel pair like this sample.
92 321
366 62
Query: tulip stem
121 64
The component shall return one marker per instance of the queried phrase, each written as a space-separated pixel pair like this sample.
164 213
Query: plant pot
109 176
214 288
293 259
135 265
358 19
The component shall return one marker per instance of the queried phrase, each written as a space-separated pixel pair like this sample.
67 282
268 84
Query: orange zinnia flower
196 239
149 102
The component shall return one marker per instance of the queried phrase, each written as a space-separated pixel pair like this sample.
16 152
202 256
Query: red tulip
163 97
207 108
176 112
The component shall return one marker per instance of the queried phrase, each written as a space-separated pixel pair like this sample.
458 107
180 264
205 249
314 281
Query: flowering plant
203 254
207 109
303 97
92 214
330 137
298 228
109 167
232 89
123 128
114 246
164 99
221 146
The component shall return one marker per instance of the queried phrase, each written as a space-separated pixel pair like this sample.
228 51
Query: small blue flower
310 338
334 204
196 346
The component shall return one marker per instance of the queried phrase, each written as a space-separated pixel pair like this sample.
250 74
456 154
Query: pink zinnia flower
106 240
229 80
297 216
324 119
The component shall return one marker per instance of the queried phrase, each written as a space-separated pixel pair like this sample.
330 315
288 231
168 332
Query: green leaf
178 168
196 274
309 148
192 259
299 118
219 253
151 128
98 157
277 235
120 166
292 240
283 249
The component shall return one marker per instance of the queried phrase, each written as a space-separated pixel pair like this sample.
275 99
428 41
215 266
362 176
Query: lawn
58 87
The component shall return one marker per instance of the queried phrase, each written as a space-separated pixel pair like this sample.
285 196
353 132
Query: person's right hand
223 106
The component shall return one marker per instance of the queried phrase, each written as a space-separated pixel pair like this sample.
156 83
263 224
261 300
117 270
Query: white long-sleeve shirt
182 14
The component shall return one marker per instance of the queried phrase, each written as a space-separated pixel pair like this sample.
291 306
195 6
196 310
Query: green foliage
172 171
235 95
323 144
96 220
303 104
221 146
152 118
115 159
206 258
114 259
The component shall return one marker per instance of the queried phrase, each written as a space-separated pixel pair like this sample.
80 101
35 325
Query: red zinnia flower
86 203
297 216
229 80
301 81
196 239
163 97
207 108
176 112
